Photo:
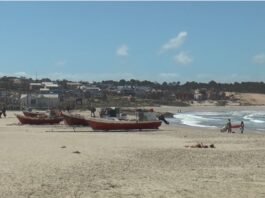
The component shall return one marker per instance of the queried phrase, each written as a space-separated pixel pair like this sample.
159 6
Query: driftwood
200 145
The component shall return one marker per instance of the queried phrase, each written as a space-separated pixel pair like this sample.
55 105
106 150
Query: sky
156 41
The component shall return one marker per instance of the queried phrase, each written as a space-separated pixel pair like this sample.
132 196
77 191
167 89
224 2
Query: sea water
253 120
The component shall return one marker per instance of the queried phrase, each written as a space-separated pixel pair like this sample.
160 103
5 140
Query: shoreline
174 109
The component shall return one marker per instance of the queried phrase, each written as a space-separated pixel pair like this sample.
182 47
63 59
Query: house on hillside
126 90
215 95
51 86
35 86
141 91
17 81
184 95
73 85
44 88
92 91
200 94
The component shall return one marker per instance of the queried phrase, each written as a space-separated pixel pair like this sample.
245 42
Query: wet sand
55 161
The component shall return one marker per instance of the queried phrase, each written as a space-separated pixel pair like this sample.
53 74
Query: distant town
20 93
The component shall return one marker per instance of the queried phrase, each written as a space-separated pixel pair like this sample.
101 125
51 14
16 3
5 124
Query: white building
74 85
35 86
93 91
39 100
44 87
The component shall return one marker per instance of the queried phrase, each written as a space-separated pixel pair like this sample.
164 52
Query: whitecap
192 120
252 118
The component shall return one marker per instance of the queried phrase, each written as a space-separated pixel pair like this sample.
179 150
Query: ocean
253 120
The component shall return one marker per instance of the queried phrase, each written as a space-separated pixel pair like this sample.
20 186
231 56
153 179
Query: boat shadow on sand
101 131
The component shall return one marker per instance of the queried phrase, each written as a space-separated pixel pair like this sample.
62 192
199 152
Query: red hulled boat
38 120
75 119
109 125
34 114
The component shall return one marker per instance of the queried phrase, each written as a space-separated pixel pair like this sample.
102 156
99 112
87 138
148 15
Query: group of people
229 126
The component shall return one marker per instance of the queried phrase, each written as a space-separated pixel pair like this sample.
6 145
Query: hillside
250 98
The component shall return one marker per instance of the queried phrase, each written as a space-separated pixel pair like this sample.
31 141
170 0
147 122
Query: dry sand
39 161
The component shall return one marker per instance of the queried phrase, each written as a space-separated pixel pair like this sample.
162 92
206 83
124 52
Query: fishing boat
110 112
111 125
75 119
34 114
145 119
38 120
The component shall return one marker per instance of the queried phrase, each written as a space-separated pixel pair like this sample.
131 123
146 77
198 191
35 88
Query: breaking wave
253 119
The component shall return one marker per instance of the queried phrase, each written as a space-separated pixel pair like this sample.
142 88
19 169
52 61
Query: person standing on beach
4 111
229 126
242 126
92 110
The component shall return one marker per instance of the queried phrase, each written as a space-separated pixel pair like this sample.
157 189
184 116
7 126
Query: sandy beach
55 161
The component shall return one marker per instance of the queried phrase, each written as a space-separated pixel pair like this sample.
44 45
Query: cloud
75 76
183 58
122 50
17 74
22 74
224 78
175 42
168 75
205 76
259 59
60 63
90 76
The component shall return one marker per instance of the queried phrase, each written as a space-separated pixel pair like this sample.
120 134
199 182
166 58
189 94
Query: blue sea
254 120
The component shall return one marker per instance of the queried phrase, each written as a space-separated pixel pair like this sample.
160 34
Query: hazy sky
157 41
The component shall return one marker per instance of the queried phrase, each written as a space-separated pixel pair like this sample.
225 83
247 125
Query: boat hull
34 114
236 126
108 125
38 121
75 120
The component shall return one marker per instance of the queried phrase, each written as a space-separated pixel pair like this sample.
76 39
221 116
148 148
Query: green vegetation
221 103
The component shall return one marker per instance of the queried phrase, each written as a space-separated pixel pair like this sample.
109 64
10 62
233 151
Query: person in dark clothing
93 110
242 126
229 126
4 111
162 117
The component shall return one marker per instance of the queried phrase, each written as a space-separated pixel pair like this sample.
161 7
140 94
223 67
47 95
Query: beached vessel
38 120
110 125
112 113
75 119
34 114
145 119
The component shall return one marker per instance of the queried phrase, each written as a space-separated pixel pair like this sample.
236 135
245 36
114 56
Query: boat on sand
112 125
38 120
145 119
75 119
34 114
